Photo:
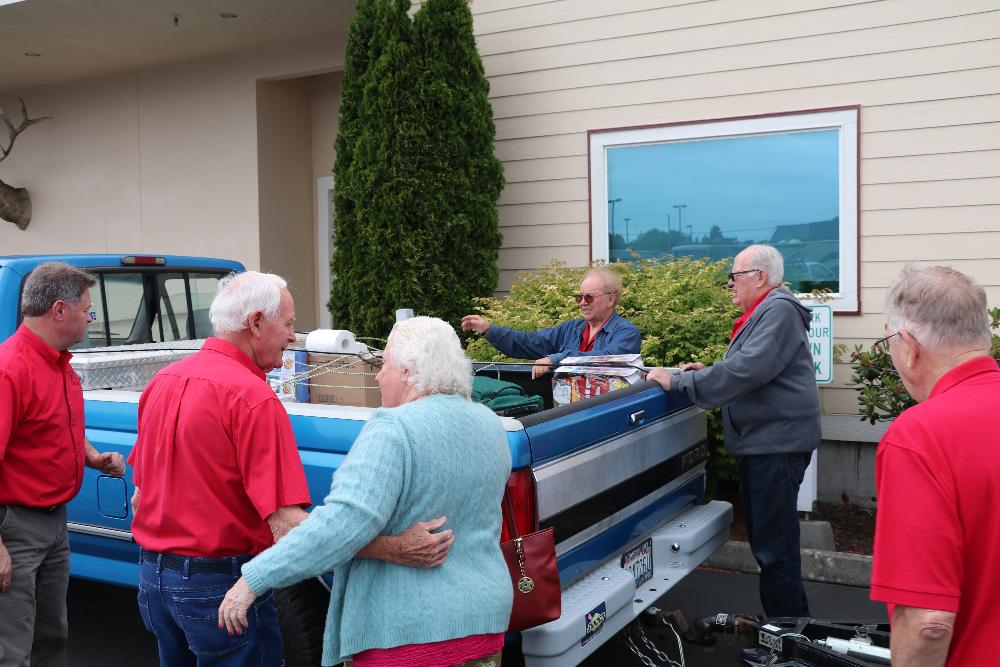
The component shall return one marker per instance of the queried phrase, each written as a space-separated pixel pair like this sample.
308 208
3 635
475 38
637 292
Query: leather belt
224 565
44 510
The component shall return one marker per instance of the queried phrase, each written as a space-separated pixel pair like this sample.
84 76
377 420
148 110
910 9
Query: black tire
302 612
512 655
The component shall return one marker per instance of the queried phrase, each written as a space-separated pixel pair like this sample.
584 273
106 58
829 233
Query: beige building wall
926 74
324 117
324 92
284 171
165 160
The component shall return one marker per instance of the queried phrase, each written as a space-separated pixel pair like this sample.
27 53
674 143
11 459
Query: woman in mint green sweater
428 452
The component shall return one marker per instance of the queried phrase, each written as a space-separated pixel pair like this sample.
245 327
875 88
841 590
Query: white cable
680 646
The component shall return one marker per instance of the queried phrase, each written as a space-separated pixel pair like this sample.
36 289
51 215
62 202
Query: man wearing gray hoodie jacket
766 387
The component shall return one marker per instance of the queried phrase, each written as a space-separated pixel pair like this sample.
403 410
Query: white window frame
845 120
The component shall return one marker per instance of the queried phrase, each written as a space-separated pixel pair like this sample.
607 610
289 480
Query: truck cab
137 299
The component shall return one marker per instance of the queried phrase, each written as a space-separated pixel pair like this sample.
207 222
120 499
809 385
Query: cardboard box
343 379
602 374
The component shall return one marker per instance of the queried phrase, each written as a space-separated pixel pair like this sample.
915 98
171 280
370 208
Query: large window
711 189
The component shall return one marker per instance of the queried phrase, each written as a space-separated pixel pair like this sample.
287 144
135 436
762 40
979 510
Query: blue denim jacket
617 336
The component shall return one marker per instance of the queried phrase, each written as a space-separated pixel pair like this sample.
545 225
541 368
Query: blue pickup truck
620 477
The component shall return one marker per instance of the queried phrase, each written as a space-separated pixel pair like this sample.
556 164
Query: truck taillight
138 259
521 489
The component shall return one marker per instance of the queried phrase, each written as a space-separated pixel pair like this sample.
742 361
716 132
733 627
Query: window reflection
713 197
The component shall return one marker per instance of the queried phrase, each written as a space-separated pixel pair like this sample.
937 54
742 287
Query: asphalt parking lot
105 628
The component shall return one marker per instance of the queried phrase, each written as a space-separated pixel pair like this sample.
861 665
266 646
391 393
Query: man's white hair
430 351
242 294
943 308
768 259
612 281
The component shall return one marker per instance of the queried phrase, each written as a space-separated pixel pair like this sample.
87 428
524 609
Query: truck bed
620 479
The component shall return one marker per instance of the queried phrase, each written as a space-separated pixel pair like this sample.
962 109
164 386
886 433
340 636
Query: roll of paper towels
332 341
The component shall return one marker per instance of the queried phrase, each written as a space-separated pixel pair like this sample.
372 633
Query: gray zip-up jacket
765 383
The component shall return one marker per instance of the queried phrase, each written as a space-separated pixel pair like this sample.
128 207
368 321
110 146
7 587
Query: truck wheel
512 655
302 612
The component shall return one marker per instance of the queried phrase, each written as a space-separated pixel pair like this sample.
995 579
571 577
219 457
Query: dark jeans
33 626
769 485
179 604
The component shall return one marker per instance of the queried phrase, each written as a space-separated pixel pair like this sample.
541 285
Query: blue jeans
179 604
769 484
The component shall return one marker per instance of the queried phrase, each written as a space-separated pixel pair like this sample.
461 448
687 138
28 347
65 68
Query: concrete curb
832 567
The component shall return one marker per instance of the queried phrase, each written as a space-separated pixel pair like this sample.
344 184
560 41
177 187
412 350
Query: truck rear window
149 306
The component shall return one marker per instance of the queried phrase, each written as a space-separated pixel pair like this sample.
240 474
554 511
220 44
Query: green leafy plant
881 394
681 306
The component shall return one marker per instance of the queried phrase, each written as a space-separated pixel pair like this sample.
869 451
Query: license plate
639 561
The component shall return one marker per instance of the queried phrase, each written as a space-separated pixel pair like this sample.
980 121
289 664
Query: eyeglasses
732 274
882 344
588 298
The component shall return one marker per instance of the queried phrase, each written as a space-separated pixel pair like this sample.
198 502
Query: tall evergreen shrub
356 58
421 179
463 177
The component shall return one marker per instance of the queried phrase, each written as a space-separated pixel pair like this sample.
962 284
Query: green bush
681 306
881 394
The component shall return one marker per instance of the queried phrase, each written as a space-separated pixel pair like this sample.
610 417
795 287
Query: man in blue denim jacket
601 331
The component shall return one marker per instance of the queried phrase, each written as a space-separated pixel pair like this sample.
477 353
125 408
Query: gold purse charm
525 584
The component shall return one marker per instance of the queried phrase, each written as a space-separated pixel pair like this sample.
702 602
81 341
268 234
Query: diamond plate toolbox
128 366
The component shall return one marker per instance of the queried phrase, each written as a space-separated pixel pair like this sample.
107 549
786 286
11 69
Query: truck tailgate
625 503
638 457
610 591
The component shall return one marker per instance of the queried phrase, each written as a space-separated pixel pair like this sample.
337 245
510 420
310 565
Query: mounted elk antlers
15 203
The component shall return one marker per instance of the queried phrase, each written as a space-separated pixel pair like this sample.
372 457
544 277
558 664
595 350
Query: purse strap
507 510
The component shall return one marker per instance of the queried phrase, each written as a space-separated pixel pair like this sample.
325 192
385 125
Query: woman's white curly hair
430 351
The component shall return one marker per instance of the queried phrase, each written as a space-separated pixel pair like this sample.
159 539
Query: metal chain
643 658
660 655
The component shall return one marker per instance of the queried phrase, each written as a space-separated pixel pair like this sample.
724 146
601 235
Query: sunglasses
588 298
732 274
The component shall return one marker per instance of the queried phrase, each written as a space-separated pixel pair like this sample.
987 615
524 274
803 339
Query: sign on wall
821 343
821 346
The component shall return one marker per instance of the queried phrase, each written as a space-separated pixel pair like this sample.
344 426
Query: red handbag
534 574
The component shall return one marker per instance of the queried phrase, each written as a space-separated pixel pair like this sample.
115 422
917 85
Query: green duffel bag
504 398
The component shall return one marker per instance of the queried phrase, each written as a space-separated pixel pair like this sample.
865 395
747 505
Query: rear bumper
679 545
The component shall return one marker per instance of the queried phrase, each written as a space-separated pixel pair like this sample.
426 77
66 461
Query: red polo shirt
742 319
214 457
937 538
586 342
41 423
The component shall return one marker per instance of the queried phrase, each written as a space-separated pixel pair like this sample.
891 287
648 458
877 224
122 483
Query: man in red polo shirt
937 475
218 479
42 454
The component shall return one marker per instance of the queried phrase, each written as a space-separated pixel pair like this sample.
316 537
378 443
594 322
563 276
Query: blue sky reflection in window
713 197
